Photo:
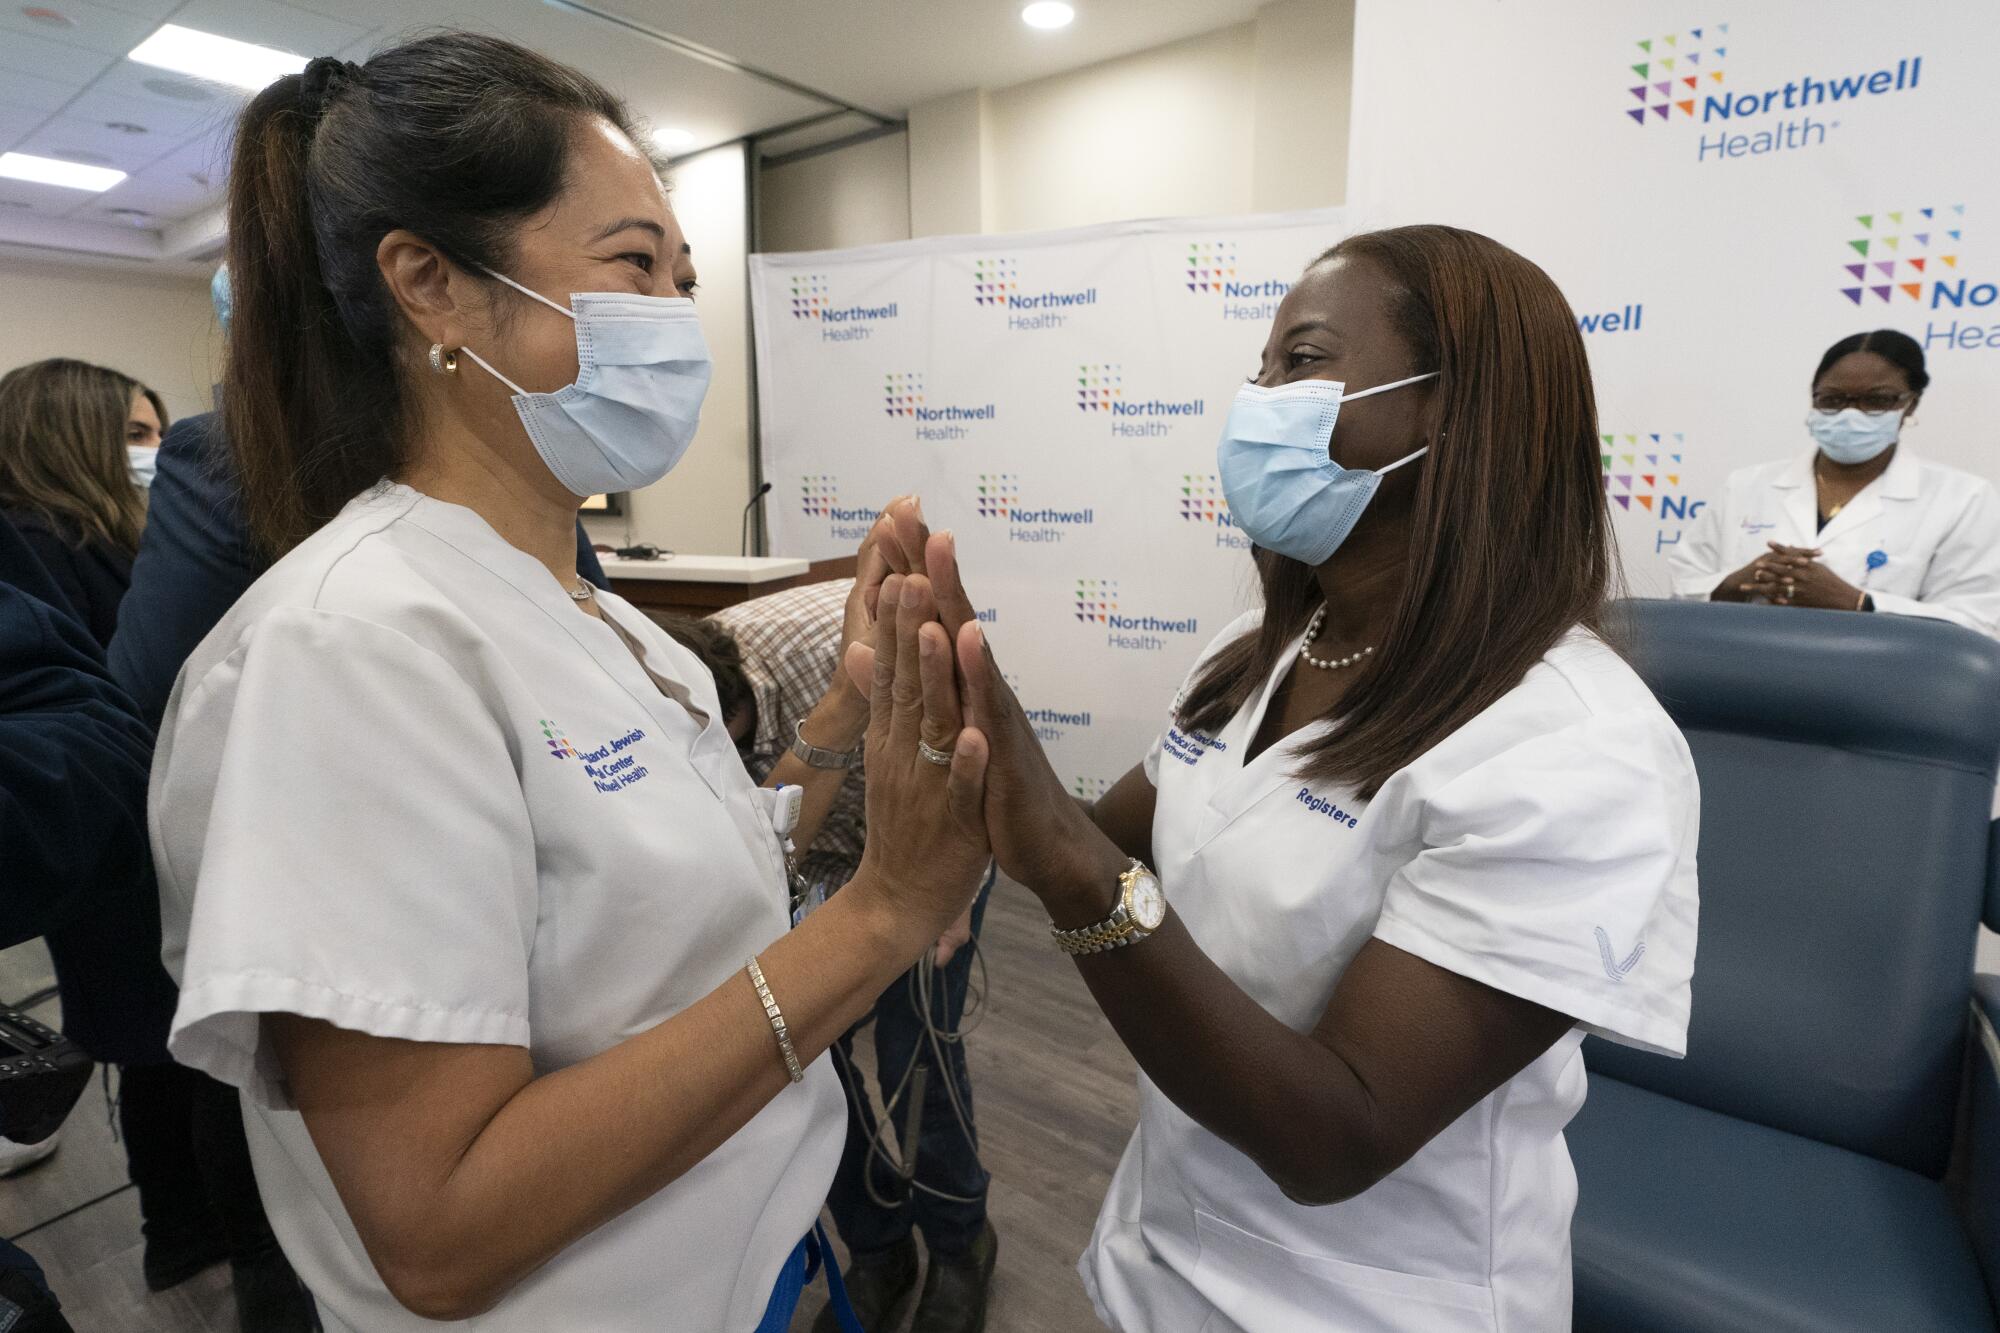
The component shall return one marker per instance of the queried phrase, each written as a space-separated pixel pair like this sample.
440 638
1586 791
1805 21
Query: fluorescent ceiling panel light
1048 14
55 171
217 59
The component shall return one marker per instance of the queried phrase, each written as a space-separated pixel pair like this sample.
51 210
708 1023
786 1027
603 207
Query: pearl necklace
1325 663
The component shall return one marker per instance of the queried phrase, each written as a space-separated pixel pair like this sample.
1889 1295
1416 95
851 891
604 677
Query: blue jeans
947 1155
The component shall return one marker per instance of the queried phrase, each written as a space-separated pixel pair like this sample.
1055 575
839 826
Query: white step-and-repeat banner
1722 192
1056 399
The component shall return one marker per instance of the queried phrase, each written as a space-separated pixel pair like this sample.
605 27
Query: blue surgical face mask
642 371
145 461
1284 490
1854 436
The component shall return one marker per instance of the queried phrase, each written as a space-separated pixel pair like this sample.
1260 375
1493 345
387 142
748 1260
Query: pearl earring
443 362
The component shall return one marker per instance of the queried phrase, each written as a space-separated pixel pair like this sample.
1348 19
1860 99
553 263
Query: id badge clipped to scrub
787 802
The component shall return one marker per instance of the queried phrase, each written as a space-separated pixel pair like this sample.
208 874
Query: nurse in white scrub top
1417 827
463 882
1859 523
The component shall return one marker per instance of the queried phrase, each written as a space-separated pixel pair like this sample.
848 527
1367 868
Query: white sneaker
18 1157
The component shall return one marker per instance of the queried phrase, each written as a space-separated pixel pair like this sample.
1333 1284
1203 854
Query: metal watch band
1099 938
1115 931
812 756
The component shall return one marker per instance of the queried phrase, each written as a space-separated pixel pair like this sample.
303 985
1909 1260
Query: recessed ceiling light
78 155
125 127
178 90
1048 14
54 171
48 18
672 139
129 214
217 59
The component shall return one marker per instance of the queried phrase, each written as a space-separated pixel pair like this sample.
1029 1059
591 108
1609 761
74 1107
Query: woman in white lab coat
1416 828
460 870
1859 523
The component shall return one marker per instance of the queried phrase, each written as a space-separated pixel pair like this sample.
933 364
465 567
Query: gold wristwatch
1142 906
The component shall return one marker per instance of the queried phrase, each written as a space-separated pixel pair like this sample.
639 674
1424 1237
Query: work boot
879 1283
270 1298
175 1253
955 1290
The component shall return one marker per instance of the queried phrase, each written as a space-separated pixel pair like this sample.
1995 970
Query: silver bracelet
777 1023
812 756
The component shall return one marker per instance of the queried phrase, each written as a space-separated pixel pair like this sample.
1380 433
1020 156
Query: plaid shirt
790 643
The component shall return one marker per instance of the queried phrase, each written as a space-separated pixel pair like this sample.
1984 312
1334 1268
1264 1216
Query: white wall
858 195
696 507
1163 133
1251 118
161 331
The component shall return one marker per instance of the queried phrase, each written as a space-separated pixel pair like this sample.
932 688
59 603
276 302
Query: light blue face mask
1284 490
145 461
1854 436
642 371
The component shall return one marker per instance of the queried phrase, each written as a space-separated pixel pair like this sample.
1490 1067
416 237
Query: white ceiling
67 90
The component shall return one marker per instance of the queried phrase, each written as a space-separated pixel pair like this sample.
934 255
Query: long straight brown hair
1510 539
62 450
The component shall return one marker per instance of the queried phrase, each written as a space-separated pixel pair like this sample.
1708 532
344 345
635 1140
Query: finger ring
933 754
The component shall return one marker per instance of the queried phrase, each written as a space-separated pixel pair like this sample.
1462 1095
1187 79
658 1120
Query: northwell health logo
812 299
996 283
1760 107
1673 71
904 396
1645 470
1642 473
998 497
1100 388
819 497
1210 269
1097 603
1910 253
559 744
1203 503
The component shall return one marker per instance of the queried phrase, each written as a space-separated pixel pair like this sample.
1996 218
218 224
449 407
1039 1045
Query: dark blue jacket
196 559
73 765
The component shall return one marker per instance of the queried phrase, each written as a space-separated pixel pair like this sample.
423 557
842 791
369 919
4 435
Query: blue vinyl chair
1827 1158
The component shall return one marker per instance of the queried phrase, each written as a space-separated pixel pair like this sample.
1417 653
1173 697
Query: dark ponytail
456 137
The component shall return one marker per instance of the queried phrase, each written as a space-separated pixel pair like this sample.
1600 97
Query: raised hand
927 847
1040 834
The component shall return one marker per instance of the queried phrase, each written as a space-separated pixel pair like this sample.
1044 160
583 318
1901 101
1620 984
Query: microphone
755 496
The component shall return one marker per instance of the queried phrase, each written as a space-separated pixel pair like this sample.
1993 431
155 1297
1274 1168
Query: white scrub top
1923 539
1546 848
408 788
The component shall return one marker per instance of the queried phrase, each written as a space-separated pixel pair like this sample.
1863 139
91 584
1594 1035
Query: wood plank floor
1053 1096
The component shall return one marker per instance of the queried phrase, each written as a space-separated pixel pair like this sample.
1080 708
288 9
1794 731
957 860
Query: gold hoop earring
443 362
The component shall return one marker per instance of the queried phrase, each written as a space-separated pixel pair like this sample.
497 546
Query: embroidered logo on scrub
559 745
1614 969
1189 746
1319 805
608 766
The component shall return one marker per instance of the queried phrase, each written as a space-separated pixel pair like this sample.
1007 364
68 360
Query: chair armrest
1980 1202
1992 912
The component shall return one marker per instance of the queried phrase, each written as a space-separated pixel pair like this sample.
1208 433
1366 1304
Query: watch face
1149 904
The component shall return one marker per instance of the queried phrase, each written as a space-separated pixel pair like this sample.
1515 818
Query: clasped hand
1041 836
1794 576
